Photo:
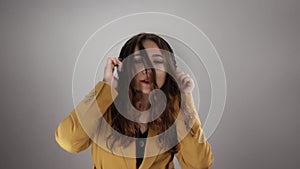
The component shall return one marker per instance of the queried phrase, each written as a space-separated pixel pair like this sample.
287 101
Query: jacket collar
152 150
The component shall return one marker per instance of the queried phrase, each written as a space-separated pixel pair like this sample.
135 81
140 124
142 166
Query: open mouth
145 81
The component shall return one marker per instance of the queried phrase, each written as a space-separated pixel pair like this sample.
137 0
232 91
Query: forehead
150 47
149 44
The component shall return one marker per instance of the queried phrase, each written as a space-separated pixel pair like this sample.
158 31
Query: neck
143 127
143 103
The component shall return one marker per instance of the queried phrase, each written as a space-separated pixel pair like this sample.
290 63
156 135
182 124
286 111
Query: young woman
144 118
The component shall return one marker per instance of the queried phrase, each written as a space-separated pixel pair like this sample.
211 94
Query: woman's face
142 80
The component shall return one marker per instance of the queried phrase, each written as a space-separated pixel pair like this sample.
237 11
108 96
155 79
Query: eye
138 61
158 62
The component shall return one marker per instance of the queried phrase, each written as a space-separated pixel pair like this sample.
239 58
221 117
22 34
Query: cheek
135 81
160 78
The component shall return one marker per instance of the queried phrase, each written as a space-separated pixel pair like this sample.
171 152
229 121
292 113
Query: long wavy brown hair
130 128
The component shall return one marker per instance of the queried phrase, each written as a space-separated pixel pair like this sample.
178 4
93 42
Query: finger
180 76
118 64
114 61
109 68
109 60
109 63
186 79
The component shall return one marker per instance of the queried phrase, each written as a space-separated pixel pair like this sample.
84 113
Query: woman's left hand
186 82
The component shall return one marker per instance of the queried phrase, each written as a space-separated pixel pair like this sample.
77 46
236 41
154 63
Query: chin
146 92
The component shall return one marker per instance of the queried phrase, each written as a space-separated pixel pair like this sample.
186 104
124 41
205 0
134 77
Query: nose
146 71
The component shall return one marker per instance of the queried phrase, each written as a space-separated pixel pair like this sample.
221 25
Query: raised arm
70 134
194 151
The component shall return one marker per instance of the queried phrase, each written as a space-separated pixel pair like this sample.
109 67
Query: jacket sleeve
194 151
70 133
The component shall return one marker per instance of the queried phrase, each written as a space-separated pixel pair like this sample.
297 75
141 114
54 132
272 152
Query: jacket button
141 143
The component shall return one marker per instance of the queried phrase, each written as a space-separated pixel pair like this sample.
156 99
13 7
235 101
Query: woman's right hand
108 76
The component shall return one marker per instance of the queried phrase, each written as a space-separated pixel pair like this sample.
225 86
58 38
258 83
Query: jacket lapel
127 154
152 150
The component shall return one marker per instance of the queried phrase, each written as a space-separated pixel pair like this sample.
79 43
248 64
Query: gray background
258 42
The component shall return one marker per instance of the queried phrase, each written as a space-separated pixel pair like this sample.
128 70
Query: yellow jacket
194 150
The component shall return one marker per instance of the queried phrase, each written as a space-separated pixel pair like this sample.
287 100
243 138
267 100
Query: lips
145 81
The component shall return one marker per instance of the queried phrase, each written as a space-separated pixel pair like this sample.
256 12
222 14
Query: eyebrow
136 54
154 55
157 55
